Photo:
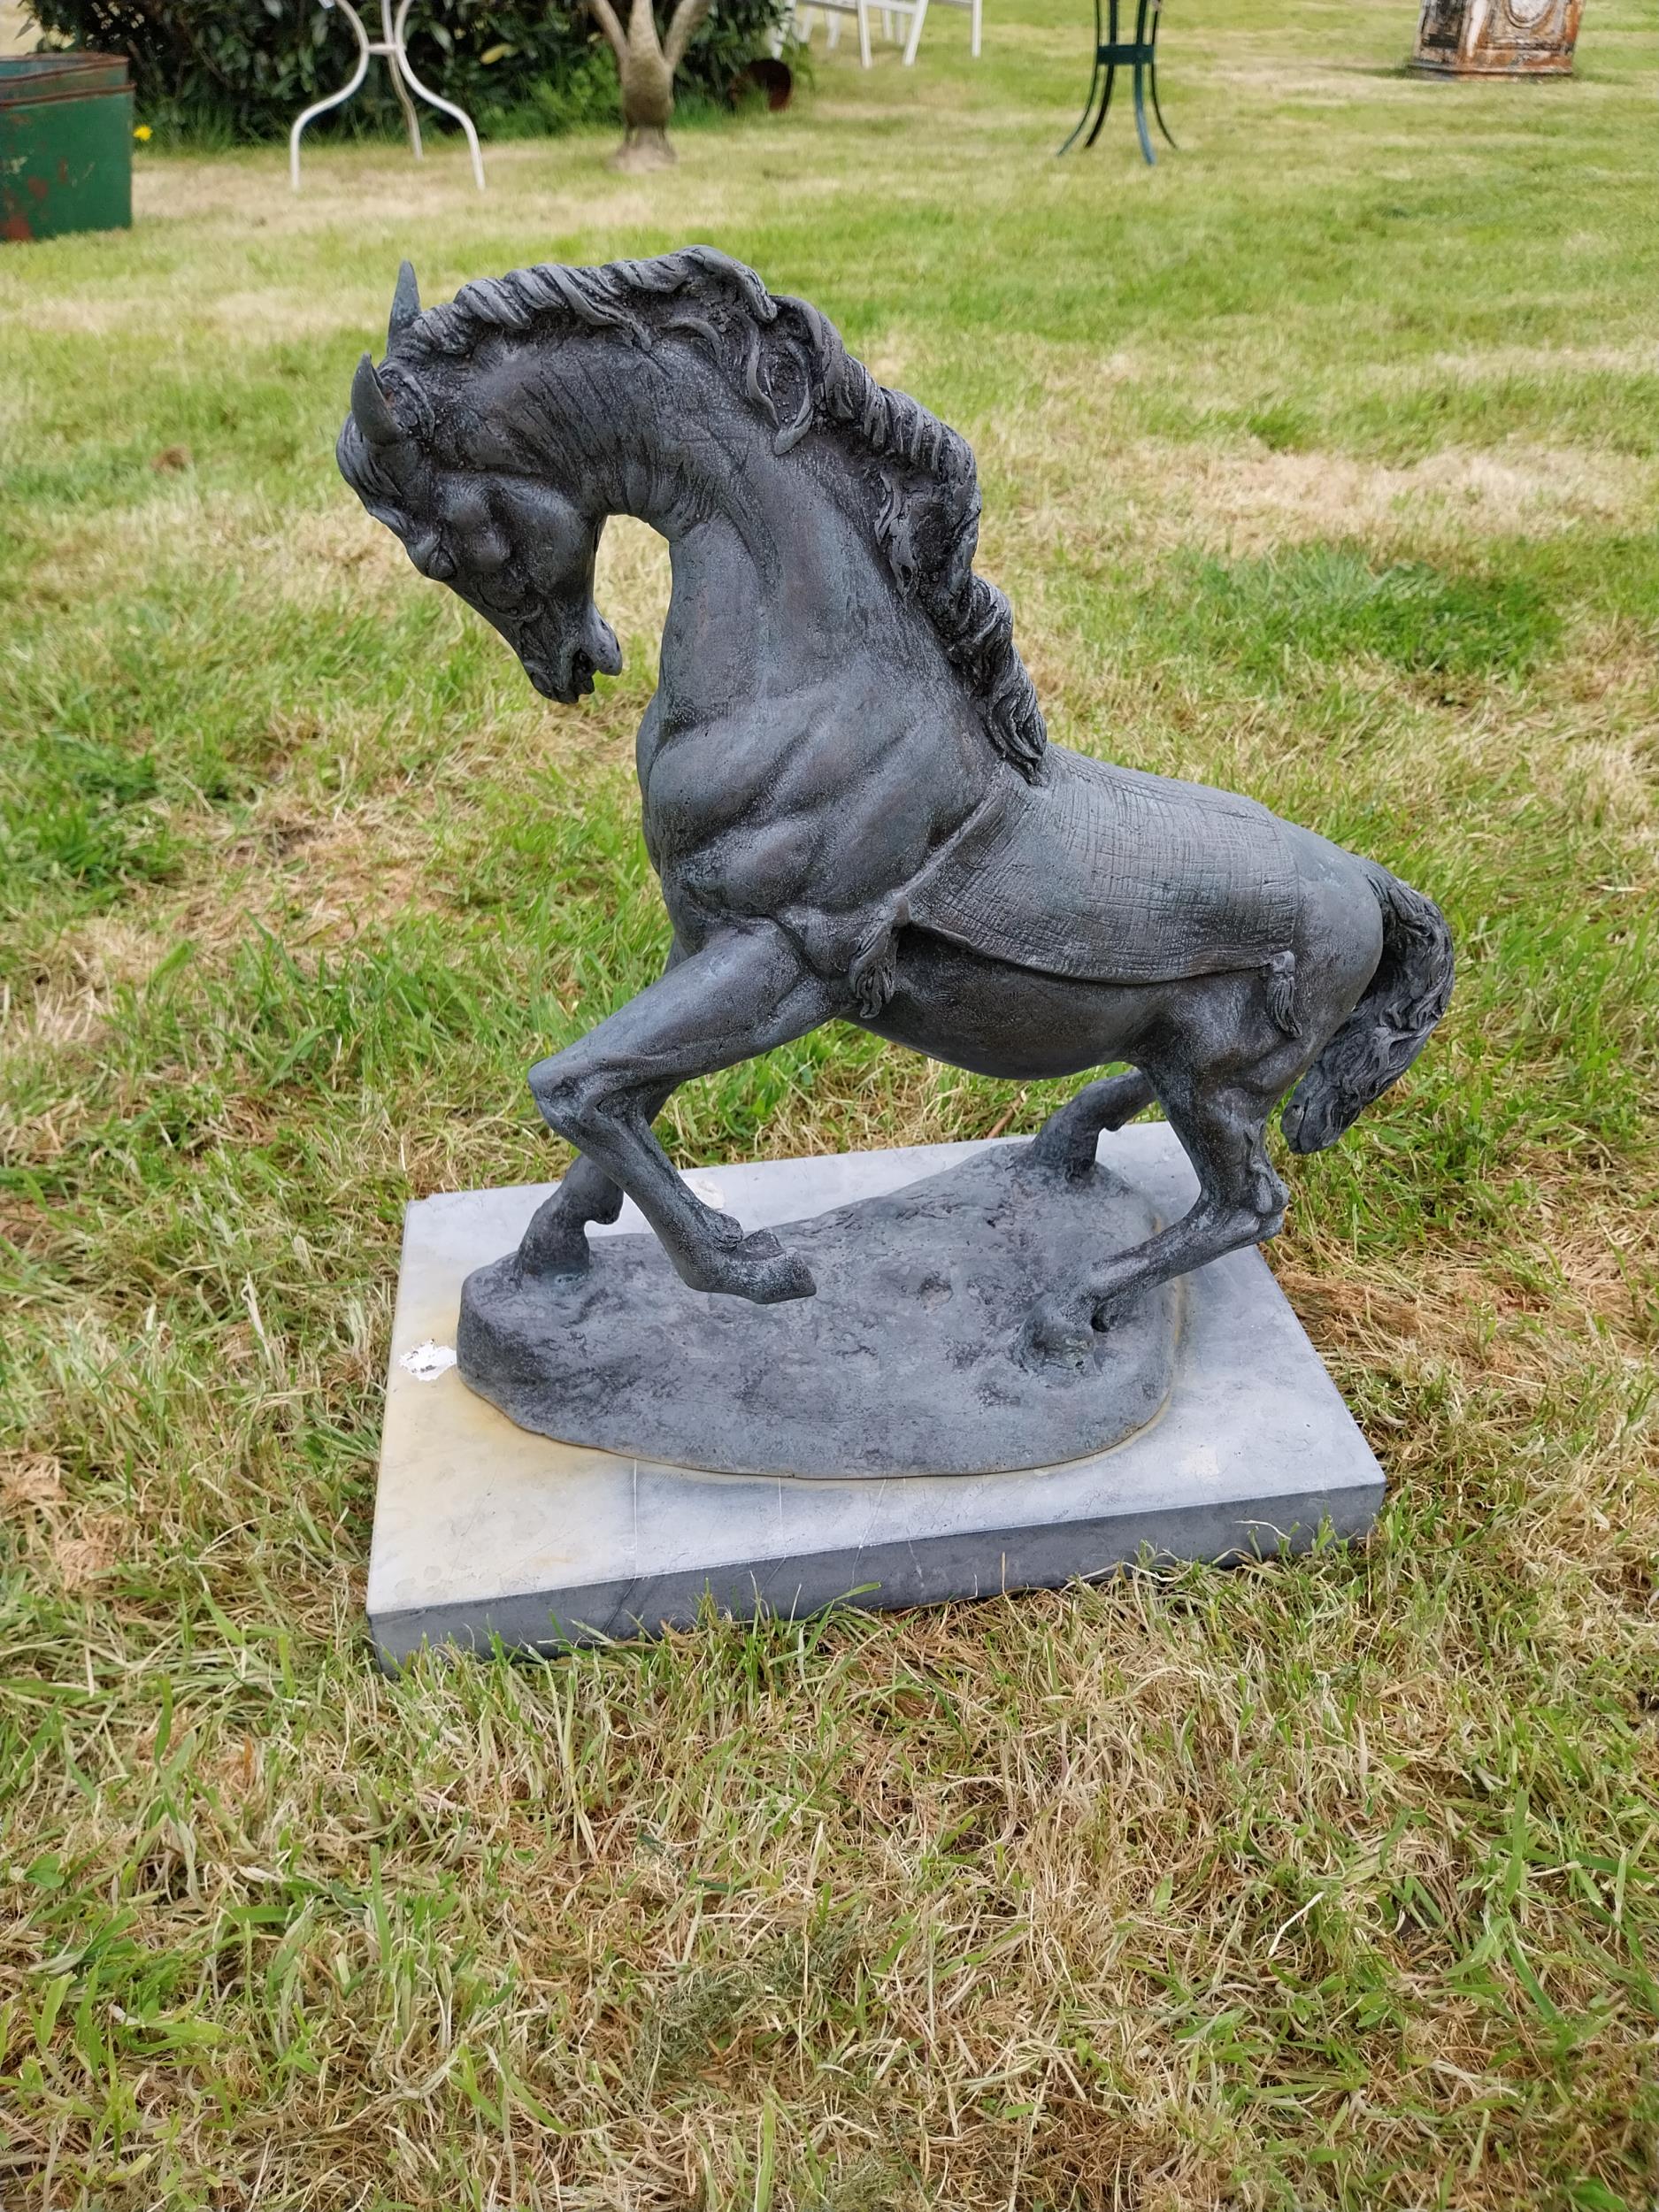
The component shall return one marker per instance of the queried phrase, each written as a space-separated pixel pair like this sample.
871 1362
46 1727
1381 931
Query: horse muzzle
569 675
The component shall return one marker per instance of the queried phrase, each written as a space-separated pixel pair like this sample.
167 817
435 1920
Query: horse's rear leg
1240 1201
1068 1139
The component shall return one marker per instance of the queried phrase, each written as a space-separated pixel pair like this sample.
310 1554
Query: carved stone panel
1496 38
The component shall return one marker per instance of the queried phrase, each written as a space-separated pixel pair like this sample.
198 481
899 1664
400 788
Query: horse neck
773 569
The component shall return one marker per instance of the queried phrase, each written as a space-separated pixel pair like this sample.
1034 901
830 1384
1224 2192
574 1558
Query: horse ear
405 303
370 407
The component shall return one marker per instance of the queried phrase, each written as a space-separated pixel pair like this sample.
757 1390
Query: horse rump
1386 1032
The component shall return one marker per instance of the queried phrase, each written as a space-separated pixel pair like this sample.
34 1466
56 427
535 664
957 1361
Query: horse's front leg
556 1242
746 992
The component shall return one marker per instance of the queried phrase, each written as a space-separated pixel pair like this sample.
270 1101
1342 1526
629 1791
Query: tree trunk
648 97
645 69
644 146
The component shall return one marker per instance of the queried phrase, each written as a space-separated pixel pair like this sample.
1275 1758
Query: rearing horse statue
848 794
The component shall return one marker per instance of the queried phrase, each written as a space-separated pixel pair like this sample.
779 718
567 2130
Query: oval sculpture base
908 1362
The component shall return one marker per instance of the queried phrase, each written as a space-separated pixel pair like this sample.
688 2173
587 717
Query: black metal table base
1111 53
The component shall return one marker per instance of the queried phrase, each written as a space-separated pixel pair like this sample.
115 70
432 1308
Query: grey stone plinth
483 1530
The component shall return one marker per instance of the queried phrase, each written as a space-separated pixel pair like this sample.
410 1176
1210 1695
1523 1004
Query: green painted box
66 144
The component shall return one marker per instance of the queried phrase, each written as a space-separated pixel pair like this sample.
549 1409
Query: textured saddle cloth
1112 875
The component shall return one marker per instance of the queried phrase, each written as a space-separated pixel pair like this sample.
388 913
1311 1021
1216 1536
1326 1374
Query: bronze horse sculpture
848 794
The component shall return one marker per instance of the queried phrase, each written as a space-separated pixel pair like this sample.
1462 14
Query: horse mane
790 360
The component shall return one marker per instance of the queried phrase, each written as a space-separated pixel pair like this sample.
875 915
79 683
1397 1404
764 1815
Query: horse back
1108 875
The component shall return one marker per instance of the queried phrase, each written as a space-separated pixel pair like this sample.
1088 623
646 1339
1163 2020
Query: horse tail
1387 1029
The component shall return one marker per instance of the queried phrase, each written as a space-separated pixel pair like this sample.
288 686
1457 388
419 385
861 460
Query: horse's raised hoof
758 1268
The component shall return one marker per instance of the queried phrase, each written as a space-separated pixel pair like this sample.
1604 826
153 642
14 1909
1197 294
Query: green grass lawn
1322 461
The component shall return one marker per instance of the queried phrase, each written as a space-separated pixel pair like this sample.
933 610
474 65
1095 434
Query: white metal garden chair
917 10
890 11
831 11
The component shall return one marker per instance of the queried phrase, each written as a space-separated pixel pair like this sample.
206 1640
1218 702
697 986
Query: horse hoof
777 1279
766 1274
1055 1152
757 1268
544 1257
1056 1335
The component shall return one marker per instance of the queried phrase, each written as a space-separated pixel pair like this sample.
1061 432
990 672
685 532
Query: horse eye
469 509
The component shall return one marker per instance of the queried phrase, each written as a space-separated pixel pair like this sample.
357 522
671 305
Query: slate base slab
910 1360
483 1530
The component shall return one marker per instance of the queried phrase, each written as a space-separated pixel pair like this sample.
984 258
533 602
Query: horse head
514 547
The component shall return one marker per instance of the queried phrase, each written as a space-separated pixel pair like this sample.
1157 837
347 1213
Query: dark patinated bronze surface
848 790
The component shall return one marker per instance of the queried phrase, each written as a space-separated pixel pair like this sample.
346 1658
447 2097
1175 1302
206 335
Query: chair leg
1094 87
973 44
864 31
1152 86
1141 118
399 62
411 121
1083 120
334 99
918 17
1105 103
392 37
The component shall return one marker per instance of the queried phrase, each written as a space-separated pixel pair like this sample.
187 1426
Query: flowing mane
924 491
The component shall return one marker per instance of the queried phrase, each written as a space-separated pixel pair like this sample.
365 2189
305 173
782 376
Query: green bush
242 69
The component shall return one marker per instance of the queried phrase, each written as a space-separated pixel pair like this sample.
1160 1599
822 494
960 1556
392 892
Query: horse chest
784 800
699 781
